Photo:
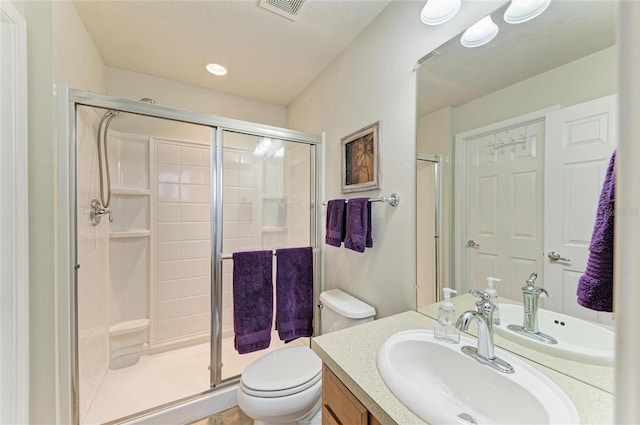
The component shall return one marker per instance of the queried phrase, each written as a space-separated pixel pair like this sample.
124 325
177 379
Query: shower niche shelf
130 234
130 209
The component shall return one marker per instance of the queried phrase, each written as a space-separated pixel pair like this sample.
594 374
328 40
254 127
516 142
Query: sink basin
441 385
578 339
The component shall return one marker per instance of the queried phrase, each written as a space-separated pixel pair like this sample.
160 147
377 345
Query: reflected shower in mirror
524 128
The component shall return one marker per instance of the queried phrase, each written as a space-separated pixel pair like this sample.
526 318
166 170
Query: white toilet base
300 408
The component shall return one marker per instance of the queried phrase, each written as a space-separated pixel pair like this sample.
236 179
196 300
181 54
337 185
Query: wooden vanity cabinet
339 405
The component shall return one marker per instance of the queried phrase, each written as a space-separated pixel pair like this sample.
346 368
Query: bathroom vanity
351 376
339 405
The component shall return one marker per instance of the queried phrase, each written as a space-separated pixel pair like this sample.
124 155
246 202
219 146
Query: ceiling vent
287 8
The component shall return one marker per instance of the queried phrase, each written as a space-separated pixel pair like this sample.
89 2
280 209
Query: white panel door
580 141
502 207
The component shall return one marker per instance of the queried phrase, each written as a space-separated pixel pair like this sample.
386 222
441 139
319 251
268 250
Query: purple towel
358 232
294 293
595 287
335 222
252 300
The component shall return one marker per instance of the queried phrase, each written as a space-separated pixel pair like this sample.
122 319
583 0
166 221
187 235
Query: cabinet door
339 405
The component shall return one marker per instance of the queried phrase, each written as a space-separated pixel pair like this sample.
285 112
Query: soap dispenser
493 294
445 329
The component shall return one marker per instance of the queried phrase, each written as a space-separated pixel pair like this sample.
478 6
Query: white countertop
351 355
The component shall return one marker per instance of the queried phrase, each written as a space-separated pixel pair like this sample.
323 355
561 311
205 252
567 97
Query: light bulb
436 12
479 33
520 11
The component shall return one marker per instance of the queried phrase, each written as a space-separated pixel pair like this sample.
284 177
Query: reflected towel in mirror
595 287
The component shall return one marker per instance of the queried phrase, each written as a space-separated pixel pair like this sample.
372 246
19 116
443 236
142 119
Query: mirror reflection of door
428 206
581 140
499 174
510 182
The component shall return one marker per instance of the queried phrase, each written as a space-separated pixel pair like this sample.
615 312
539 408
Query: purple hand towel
358 232
335 222
252 300
294 293
595 286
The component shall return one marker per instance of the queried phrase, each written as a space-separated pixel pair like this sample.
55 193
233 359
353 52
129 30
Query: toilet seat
282 372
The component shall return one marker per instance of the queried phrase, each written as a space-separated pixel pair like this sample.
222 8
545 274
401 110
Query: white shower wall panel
242 173
182 296
93 275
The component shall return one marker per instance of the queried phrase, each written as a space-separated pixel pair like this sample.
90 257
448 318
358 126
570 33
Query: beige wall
131 85
373 80
41 221
587 78
58 46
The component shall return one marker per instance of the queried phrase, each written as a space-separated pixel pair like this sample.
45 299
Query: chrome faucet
531 295
485 352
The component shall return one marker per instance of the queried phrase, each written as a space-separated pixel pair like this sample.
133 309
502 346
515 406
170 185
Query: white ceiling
269 57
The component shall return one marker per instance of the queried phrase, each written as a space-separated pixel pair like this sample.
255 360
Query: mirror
503 97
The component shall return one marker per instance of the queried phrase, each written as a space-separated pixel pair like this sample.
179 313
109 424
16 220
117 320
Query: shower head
147 100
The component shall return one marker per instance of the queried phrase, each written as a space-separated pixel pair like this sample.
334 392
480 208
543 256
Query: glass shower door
267 204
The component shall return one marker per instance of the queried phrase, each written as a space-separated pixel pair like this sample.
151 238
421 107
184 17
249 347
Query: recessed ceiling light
436 12
479 33
520 11
216 69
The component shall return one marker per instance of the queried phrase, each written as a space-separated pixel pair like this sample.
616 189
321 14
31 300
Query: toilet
285 386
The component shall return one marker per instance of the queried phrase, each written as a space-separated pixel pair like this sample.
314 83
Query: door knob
554 256
472 244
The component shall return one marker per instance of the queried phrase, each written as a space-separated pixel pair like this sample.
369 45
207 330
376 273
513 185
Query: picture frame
361 159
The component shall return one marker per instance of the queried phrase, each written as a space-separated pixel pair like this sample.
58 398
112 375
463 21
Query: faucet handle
530 286
484 296
484 305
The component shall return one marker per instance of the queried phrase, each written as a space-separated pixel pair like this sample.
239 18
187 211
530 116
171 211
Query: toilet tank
341 310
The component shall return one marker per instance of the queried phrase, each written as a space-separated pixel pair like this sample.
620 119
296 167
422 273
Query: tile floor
233 416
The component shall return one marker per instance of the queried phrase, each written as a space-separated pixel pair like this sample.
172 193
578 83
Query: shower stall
161 198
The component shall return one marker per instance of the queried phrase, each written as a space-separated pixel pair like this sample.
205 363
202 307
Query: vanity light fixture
479 33
520 11
216 69
436 12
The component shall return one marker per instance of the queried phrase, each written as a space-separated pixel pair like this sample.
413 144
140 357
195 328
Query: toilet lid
284 369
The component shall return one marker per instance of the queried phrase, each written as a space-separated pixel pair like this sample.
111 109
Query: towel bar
230 256
393 200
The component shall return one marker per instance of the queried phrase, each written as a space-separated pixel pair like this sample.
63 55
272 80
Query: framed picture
361 159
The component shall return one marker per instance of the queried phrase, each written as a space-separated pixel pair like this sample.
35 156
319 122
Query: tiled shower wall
241 227
183 244
93 249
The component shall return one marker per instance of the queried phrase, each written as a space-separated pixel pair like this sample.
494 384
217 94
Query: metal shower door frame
69 100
